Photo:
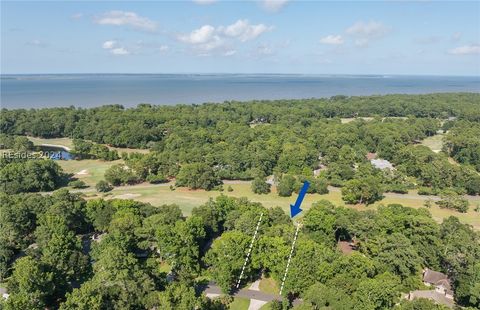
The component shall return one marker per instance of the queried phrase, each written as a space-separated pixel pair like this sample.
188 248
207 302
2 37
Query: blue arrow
295 209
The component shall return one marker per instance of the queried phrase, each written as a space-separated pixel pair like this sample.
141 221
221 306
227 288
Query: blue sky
207 36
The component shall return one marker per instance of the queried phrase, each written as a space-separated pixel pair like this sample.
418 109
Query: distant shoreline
87 90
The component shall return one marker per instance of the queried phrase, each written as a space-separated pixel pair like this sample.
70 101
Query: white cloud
473 49
242 30
113 47
274 5
208 38
163 48
130 19
367 31
109 44
119 51
201 35
332 40
204 2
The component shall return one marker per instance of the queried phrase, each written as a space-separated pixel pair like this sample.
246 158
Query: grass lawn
269 285
56 141
93 171
188 199
239 304
266 306
88 170
435 143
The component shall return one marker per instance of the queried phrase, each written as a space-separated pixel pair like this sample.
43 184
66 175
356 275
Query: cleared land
435 143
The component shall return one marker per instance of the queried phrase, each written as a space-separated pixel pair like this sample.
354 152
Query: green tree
226 257
451 200
366 190
196 176
286 186
259 186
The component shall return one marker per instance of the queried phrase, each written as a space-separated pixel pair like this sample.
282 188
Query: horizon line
243 73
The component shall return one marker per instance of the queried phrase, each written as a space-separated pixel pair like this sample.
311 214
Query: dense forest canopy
251 140
121 268
62 250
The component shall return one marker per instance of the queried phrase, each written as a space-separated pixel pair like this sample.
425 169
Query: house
434 296
381 164
442 294
439 280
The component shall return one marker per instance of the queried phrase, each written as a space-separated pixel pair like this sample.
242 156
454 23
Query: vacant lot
435 143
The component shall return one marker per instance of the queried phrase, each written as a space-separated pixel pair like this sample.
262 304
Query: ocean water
90 90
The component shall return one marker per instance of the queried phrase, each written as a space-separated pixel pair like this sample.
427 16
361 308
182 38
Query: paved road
212 288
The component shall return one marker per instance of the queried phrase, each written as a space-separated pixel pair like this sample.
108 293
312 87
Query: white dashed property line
289 258
249 250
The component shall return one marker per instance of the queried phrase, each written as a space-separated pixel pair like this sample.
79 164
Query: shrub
103 186
259 186
156 178
77 184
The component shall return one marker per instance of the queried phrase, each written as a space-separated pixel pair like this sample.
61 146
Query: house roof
381 164
438 279
433 295
434 277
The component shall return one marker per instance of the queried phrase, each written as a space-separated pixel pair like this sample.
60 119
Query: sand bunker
83 172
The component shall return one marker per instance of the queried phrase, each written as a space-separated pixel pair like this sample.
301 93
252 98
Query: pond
56 153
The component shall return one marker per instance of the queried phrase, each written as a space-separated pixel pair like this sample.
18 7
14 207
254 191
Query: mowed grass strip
239 304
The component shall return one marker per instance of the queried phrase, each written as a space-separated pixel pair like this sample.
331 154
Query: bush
259 186
398 188
426 191
103 186
156 178
452 200
229 188
120 174
77 184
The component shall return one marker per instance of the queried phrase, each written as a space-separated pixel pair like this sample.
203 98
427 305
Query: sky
259 36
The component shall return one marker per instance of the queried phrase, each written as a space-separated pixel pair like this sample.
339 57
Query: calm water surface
89 90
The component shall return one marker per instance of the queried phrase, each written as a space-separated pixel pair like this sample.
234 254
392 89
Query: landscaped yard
269 285
239 304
